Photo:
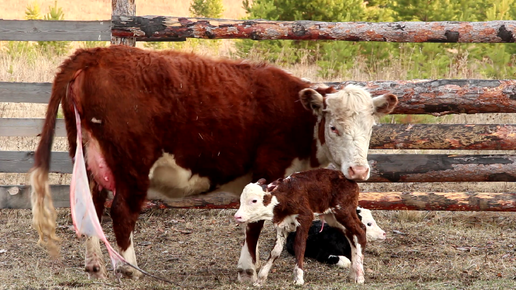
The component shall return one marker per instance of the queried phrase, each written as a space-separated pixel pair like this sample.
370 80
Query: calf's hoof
129 272
247 275
96 271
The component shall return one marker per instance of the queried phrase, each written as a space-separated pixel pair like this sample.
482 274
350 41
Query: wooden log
18 197
154 28
436 97
441 97
449 201
444 136
385 136
54 30
127 8
441 168
384 167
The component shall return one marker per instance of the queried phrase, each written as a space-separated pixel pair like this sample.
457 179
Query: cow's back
209 120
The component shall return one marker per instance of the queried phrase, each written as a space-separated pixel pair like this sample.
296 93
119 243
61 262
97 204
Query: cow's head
373 231
255 204
345 122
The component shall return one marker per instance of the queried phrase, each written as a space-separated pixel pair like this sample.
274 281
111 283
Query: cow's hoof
129 272
360 280
247 275
96 271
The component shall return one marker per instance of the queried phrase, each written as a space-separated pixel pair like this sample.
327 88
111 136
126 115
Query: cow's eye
369 224
334 130
255 200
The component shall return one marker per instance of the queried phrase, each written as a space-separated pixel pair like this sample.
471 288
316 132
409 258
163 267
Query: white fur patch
173 180
298 276
289 223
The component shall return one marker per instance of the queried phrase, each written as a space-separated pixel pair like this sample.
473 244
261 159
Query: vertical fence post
123 7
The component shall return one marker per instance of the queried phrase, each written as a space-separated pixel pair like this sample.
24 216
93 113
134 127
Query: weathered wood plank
28 127
25 92
18 197
384 167
55 30
444 136
22 162
441 168
385 136
123 7
437 97
450 201
441 97
163 28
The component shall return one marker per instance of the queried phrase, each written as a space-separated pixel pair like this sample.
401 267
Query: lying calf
292 203
328 245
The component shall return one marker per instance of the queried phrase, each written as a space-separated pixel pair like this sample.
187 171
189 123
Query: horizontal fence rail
384 167
160 28
384 136
169 28
19 197
59 30
437 97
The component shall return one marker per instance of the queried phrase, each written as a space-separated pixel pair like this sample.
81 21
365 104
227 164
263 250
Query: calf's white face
373 231
252 207
345 123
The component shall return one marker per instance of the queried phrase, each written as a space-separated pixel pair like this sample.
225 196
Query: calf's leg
354 231
281 237
249 258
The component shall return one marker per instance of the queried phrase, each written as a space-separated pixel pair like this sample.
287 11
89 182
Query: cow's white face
345 121
255 204
373 231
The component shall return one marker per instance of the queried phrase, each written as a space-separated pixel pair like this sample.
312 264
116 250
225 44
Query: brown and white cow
293 202
180 124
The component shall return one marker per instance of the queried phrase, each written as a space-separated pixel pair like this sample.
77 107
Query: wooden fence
437 97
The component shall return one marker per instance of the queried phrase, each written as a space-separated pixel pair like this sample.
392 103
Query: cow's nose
358 172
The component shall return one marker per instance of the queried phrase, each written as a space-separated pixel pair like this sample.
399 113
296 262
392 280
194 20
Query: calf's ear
261 181
384 104
312 100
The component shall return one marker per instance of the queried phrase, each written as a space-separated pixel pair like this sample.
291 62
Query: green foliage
421 60
54 47
92 44
207 8
33 12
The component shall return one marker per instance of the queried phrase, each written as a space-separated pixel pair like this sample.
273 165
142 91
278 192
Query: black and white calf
292 203
328 245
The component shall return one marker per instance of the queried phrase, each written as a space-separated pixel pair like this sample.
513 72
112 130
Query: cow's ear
312 100
384 104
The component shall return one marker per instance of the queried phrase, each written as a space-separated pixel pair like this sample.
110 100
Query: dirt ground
199 249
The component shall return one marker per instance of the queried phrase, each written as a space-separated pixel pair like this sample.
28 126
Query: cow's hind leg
249 259
125 210
94 261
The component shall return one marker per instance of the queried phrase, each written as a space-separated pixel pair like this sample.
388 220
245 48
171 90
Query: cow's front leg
249 260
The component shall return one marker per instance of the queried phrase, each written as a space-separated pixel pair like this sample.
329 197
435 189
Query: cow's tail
43 211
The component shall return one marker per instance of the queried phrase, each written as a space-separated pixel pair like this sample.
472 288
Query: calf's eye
369 224
334 130
255 200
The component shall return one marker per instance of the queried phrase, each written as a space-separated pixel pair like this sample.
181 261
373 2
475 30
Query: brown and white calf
293 202
174 124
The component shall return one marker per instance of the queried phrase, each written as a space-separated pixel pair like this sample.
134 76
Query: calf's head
373 231
345 122
255 204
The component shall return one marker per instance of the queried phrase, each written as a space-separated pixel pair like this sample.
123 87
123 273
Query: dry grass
101 9
198 249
